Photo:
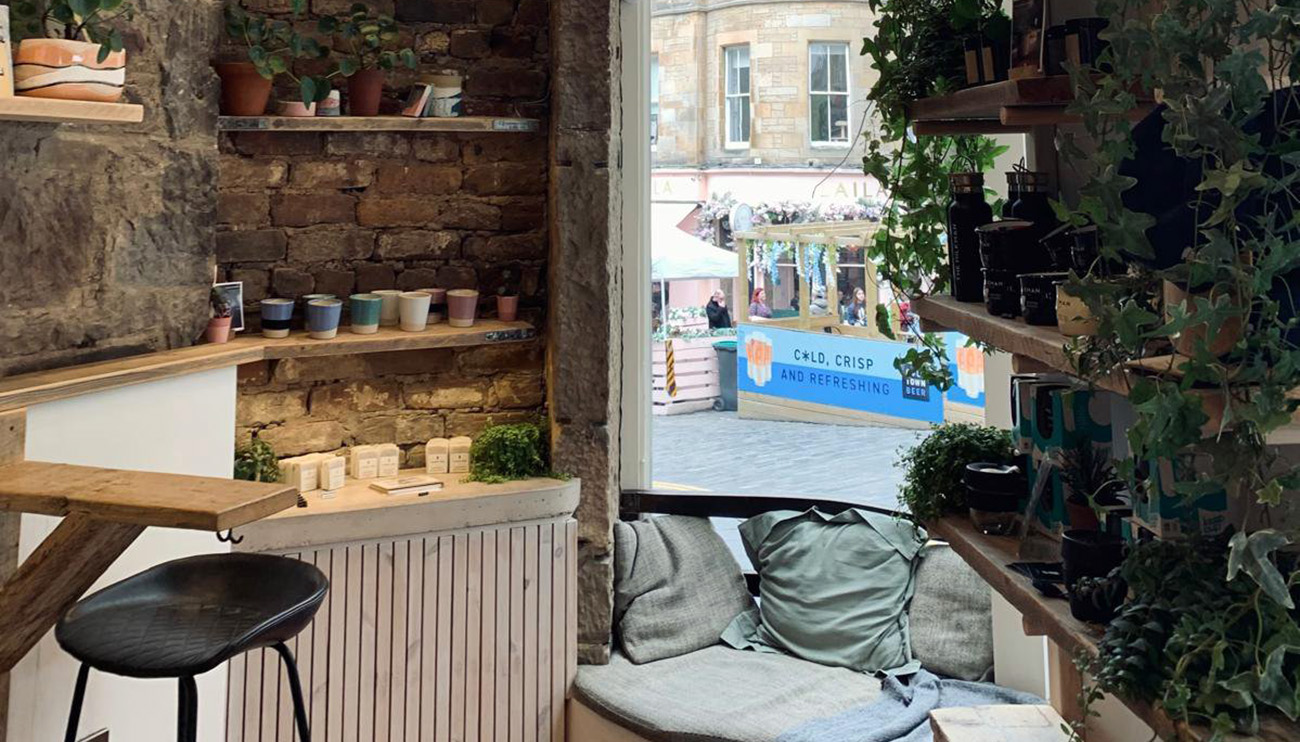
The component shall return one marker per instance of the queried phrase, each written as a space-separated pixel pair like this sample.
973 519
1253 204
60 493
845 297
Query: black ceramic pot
1090 554
993 495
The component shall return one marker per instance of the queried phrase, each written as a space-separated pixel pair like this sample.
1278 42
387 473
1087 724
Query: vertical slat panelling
396 713
542 720
429 648
320 669
443 703
351 642
303 655
464 637
473 630
235 699
488 639
338 616
384 641
414 640
516 634
369 589
530 633
571 625
458 613
501 678
559 614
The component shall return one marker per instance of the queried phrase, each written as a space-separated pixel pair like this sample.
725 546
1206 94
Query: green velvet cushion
834 589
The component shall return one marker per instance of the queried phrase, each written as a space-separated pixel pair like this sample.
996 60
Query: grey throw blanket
902 713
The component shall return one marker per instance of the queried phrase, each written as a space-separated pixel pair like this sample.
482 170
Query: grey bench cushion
951 616
719 694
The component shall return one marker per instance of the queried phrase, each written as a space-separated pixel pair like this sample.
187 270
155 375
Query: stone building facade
690 43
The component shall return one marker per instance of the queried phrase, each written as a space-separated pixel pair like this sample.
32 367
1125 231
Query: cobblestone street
719 452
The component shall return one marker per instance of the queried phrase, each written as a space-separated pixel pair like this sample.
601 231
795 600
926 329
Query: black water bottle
967 212
1029 199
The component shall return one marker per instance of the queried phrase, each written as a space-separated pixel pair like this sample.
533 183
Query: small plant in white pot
71 49
507 299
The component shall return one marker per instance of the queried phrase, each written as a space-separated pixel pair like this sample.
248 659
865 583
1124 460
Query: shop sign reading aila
837 370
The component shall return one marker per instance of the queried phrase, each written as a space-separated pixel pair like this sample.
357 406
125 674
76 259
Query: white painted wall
183 425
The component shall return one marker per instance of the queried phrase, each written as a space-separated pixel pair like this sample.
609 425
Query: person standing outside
758 306
716 309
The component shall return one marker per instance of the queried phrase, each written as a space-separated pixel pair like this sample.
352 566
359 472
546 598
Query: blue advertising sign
967 366
837 370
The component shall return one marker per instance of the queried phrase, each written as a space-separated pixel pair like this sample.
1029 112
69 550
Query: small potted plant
1090 483
370 49
507 299
272 46
70 49
218 330
935 468
255 461
1098 599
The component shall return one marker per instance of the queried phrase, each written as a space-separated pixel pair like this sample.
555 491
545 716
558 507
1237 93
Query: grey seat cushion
676 586
719 694
951 616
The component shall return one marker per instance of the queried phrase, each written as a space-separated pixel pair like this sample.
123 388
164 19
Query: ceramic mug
462 307
390 311
306 299
414 310
365 313
323 318
276 316
437 304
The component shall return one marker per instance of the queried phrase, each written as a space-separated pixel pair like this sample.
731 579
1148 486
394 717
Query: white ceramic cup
414 309
390 311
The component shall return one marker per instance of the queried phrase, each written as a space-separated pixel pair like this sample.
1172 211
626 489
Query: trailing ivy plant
917 51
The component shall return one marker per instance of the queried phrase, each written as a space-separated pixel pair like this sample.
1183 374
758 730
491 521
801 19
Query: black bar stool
186 617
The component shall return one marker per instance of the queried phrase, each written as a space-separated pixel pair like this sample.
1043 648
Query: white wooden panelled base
460 636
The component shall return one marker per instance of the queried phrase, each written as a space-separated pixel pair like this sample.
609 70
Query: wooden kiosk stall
823 360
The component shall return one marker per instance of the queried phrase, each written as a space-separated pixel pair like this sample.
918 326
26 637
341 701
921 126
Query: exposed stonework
106 232
584 355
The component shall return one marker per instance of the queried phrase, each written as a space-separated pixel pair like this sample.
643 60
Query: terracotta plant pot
295 109
218 330
365 90
1185 342
68 70
507 308
244 92
1072 314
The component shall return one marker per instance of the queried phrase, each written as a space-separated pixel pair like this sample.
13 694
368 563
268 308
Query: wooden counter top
139 498
359 513
47 386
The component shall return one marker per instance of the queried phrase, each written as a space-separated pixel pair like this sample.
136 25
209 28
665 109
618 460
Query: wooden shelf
45 386
460 124
48 110
1007 107
139 498
989 557
357 513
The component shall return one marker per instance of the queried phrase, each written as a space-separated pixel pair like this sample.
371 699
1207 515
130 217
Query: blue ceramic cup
365 313
276 315
323 318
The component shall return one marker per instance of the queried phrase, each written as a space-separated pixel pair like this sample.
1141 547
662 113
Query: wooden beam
54 577
13 444
48 110
497 124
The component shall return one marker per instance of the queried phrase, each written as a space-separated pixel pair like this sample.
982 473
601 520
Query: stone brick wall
351 212
106 231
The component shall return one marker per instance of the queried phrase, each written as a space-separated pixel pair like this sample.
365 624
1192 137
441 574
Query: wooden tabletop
139 498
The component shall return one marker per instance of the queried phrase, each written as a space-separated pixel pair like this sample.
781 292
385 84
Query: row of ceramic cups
411 310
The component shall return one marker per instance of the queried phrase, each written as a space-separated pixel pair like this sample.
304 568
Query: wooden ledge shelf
358 513
459 124
989 557
139 498
1007 107
46 386
50 111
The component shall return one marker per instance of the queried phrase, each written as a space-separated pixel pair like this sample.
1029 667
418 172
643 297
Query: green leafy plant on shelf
933 468
917 51
273 46
255 461
370 40
96 21
505 453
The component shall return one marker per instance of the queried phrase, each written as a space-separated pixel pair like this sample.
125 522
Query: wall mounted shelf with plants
470 124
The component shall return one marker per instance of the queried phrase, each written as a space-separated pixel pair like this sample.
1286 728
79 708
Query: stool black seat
186 617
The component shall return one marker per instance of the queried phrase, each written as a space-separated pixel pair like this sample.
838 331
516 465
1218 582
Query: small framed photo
233 293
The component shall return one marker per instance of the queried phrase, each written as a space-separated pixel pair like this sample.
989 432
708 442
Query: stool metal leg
78 698
295 688
187 716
